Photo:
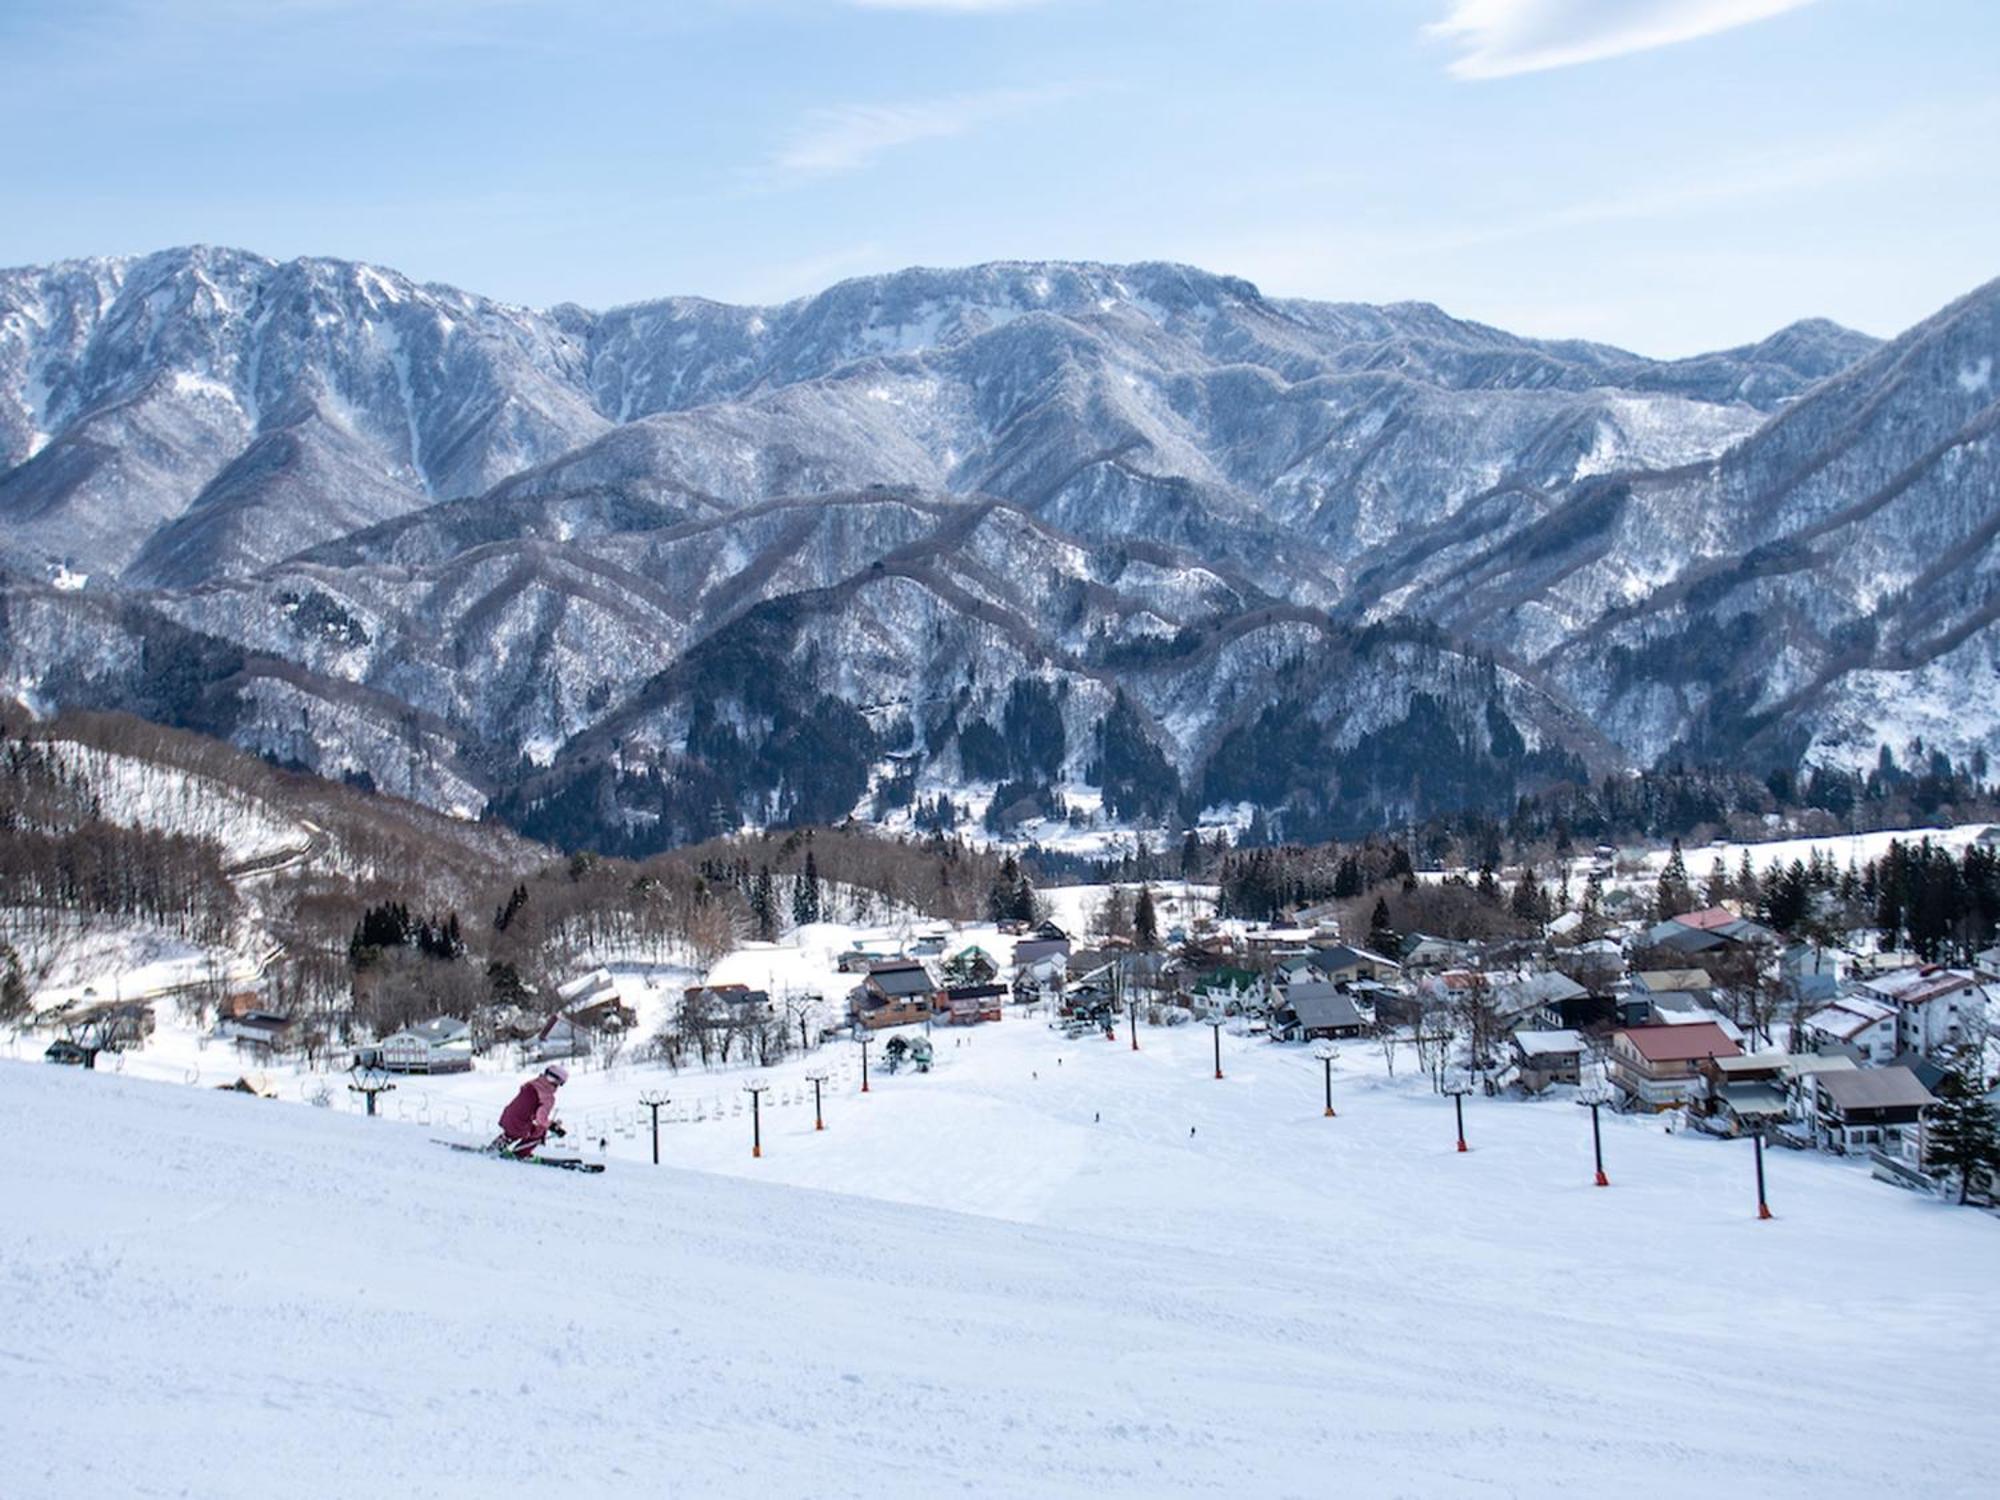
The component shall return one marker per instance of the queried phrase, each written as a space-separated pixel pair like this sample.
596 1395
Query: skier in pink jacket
528 1120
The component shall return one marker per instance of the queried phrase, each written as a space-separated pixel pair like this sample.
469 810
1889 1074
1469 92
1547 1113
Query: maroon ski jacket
527 1118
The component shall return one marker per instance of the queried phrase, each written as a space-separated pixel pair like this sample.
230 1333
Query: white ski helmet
556 1073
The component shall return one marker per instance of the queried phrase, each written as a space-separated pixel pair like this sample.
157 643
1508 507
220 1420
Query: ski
562 1163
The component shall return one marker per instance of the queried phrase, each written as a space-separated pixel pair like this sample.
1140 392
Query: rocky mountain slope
629 576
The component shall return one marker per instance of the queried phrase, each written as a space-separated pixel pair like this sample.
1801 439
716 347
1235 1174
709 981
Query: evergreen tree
1114 917
1382 936
1675 894
1002 898
1024 903
764 905
1146 921
1718 889
1787 898
1964 1135
806 894
1489 885
1194 858
516 899
1593 894
1529 903
503 981
1347 878
1889 894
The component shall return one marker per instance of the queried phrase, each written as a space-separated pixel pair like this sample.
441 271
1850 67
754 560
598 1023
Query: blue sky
1669 175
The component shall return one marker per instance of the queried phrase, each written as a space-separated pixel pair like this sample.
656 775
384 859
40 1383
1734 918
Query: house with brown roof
1745 1093
1658 1067
1866 1108
894 994
969 1004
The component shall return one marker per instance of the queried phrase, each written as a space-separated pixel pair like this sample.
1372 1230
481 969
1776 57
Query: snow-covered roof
1546 1043
1754 1062
1849 1016
587 986
1919 986
1543 989
1755 1099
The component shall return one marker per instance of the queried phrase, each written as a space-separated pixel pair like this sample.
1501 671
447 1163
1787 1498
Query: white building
440 1045
1857 1021
1935 1007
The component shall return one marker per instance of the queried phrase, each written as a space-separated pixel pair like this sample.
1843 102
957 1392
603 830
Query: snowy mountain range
636 574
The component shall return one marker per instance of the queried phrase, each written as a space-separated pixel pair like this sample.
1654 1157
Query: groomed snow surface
971 1284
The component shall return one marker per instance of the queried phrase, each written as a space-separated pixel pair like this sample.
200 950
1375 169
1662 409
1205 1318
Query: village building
1746 1093
1042 980
1545 1057
969 1004
586 989
1425 953
1870 1108
1679 1009
1656 1066
1230 991
972 965
895 993
1344 963
259 1030
1031 950
1536 1000
1689 981
1936 1008
1315 1010
1705 931
580 1031
1858 1021
442 1044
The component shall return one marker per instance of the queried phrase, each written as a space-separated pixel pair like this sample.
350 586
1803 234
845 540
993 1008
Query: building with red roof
1658 1067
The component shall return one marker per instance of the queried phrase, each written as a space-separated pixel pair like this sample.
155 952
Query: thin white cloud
848 138
1499 38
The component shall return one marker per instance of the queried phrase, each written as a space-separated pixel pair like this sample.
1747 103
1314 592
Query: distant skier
528 1121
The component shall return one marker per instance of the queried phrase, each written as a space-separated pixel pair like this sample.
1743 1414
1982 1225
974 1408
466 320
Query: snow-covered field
1844 849
1048 1267
112 958
115 961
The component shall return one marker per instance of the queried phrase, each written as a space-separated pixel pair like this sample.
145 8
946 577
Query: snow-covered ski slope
203 1293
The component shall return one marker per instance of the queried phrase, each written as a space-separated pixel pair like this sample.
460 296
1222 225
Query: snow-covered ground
1049 1267
1096 833
1845 849
138 793
114 958
132 962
